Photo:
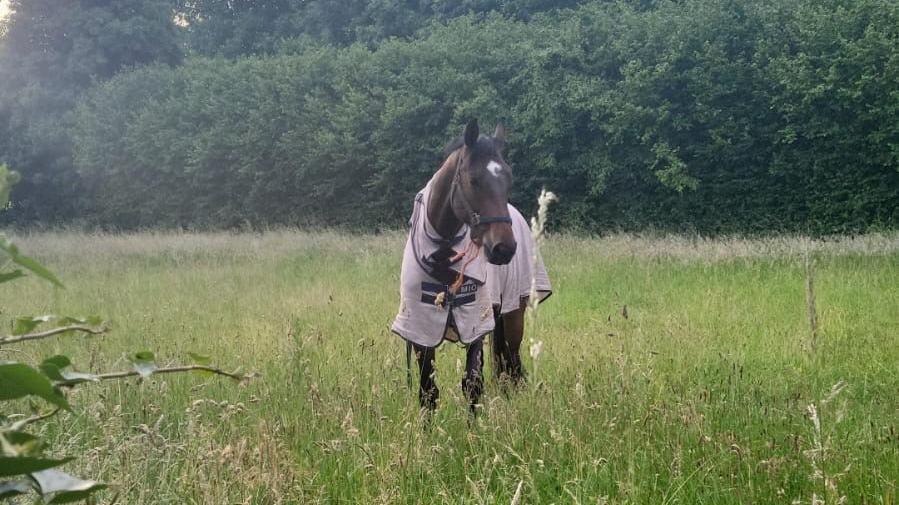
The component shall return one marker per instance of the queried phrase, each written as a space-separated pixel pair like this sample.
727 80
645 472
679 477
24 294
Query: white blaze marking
494 168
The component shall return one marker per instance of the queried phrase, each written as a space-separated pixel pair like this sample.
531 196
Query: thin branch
18 425
174 369
12 339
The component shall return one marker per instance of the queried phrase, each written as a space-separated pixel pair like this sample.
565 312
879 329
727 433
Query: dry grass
184 245
694 248
280 243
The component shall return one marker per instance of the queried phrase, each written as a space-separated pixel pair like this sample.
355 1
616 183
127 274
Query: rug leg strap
409 364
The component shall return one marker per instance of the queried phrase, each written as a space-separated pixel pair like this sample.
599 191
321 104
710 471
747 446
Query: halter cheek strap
475 218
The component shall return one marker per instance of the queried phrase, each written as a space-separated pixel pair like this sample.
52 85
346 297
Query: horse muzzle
501 253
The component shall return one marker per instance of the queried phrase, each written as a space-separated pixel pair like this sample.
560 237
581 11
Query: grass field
699 395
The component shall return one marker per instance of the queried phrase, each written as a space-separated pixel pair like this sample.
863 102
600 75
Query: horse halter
474 216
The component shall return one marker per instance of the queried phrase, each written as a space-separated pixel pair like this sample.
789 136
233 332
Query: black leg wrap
499 346
506 341
428 393
473 381
516 371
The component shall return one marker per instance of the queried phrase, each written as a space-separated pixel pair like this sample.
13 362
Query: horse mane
454 144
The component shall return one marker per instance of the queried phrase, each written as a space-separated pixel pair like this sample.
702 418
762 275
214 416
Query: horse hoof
473 415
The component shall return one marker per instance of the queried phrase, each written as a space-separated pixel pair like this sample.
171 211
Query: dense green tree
50 52
252 27
238 27
715 116
838 94
328 136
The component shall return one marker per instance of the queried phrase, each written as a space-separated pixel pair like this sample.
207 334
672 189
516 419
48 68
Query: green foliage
20 465
716 116
20 452
12 252
24 324
19 380
253 27
50 52
674 116
199 359
839 99
57 368
9 251
8 179
144 363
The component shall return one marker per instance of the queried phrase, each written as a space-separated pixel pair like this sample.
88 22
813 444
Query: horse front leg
473 380
513 333
427 385
500 350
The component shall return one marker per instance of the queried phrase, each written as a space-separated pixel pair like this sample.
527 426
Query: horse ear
499 137
471 133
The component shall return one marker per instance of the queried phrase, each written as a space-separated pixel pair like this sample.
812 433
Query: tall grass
700 395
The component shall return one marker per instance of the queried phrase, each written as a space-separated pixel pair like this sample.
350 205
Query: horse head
480 192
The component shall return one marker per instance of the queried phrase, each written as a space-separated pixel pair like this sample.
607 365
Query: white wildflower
536 349
537 231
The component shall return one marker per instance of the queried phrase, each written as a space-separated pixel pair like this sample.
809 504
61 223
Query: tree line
712 116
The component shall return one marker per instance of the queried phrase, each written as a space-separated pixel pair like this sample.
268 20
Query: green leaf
9 276
52 367
19 443
30 264
144 363
144 356
11 488
18 380
22 465
37 269
61 361
19 438
57 369
8 179
199 359
64 487
25 324
51 371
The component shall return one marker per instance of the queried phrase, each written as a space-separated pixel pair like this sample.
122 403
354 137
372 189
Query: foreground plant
826 482
24 467
538 231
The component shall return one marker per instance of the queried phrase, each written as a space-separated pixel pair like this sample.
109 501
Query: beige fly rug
434 304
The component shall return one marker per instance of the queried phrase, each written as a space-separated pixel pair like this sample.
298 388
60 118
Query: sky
4 8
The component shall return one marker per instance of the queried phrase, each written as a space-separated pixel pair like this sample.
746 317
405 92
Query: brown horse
462 213
509 315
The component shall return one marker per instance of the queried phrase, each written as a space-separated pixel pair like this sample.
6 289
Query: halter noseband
473 215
